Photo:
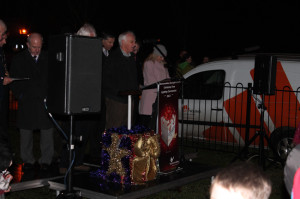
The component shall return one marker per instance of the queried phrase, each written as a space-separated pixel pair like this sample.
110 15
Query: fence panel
228 121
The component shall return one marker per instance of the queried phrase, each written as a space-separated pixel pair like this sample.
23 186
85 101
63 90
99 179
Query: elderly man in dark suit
119 74
32 64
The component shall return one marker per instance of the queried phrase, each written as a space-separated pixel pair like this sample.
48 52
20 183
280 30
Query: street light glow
23 31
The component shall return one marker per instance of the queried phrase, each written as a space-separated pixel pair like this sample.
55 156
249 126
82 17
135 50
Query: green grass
198 189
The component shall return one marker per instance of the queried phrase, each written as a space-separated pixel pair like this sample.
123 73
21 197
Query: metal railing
229 121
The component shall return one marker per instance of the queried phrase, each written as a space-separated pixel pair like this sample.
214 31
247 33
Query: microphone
151 41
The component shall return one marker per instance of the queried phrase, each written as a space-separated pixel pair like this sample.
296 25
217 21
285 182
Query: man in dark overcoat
32 64
4 81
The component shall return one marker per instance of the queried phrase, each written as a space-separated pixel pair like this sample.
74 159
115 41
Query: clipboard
19 78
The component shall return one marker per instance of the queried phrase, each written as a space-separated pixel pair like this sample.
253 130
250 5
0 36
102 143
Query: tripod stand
262 135
69 192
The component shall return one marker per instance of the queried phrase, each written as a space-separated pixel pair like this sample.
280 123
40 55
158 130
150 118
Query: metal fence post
248 113
182 158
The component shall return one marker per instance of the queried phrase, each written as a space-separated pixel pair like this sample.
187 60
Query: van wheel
282 142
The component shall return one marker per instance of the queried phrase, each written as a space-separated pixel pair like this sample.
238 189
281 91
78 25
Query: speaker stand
262 135
69 192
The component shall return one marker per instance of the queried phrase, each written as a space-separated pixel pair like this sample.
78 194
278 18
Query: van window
204 85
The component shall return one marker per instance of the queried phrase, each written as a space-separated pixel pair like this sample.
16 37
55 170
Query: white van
215 103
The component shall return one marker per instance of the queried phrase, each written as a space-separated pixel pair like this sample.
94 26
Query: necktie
35 58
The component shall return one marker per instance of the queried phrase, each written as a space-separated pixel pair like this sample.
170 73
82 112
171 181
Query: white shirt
105 52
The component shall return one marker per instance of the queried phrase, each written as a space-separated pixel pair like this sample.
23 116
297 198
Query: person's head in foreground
241 181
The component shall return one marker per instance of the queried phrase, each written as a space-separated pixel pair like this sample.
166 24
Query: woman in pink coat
153 71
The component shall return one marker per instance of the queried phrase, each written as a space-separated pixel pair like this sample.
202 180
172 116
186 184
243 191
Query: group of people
122 70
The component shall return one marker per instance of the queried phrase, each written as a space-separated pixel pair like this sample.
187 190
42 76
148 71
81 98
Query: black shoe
28 166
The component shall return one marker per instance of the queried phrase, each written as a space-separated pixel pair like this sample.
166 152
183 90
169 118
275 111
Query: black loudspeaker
265 74
74 74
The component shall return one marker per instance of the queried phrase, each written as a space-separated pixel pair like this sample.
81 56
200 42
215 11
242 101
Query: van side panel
236 110
219 134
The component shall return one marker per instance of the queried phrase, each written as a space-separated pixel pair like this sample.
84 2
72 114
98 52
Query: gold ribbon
147 151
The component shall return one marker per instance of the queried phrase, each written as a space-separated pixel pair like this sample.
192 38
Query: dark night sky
213 28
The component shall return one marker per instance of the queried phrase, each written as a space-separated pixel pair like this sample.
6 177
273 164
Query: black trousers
4 108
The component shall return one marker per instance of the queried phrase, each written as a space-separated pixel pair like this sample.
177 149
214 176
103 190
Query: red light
23 31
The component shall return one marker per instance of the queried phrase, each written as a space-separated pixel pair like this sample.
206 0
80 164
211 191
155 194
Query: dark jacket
30 93
119 74
2 74
104 58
